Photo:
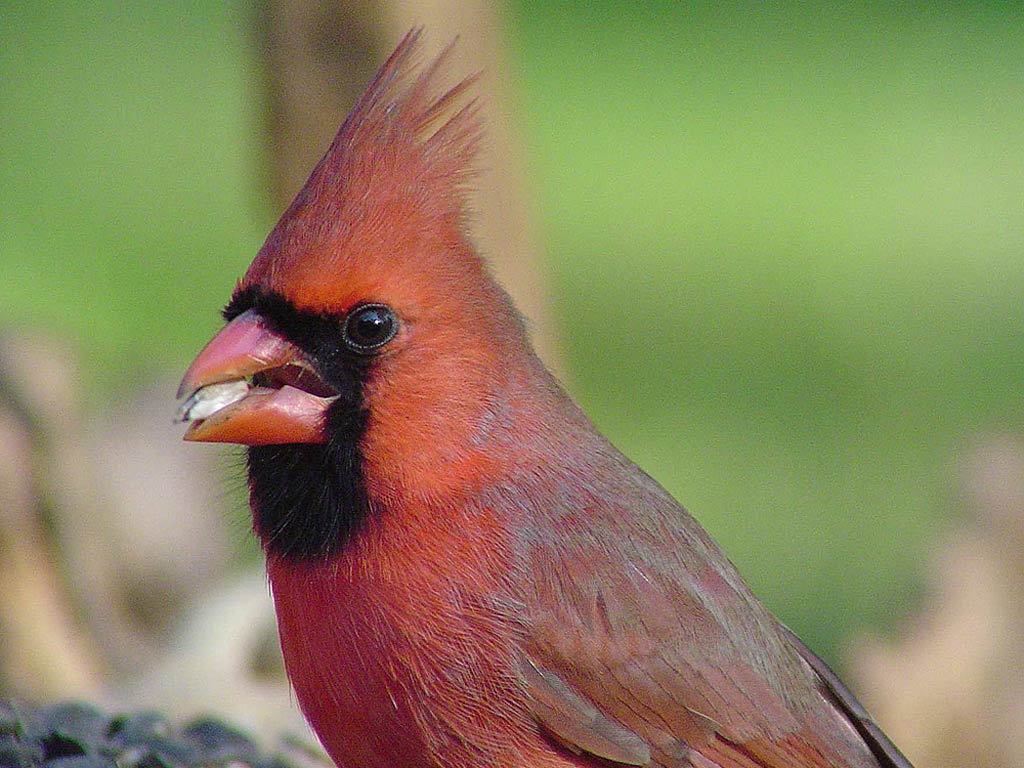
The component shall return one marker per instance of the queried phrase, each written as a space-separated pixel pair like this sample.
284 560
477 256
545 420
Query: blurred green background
786 243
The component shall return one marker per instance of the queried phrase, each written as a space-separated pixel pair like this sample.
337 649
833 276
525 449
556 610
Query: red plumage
466 573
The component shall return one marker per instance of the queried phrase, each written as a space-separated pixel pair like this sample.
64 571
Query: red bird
466 573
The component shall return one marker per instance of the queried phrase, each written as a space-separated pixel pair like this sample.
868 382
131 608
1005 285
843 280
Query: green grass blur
787 244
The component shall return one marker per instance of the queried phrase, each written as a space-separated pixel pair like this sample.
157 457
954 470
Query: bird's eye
369 327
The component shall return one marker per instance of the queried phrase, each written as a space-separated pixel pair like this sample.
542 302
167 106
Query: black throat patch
309 500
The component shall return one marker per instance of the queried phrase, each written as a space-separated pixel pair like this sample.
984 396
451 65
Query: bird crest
395 173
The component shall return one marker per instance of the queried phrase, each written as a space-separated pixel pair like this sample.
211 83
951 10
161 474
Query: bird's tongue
223 407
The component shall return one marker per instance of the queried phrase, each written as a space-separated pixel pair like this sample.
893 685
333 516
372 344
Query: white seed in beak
207 400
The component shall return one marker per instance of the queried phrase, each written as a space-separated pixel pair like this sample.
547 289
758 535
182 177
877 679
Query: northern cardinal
465 572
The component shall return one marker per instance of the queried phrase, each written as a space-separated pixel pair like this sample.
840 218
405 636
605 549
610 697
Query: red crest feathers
394 174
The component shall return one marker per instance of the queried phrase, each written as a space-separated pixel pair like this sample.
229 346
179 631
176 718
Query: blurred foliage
786 243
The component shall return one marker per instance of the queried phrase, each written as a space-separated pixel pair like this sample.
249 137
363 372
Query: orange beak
223 407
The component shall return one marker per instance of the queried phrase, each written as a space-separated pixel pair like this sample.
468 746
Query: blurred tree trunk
320 54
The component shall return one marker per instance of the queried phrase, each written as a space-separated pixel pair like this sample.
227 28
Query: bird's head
367 329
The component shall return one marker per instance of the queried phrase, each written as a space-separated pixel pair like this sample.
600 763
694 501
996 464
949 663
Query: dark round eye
369 327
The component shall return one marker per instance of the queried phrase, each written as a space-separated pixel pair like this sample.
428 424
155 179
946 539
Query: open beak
251 386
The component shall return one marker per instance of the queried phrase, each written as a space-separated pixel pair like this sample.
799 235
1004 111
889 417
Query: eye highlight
369 327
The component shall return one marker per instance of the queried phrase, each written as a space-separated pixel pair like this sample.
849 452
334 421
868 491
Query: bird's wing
635 667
